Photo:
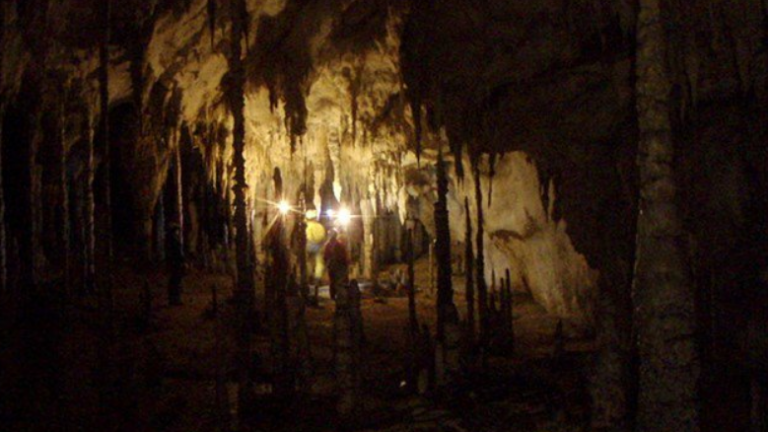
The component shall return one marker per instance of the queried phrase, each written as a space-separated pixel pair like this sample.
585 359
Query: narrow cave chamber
383 215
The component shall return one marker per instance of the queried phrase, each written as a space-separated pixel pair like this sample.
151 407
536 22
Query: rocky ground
163 377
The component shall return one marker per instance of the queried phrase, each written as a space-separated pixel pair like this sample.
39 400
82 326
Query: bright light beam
284 207
344 217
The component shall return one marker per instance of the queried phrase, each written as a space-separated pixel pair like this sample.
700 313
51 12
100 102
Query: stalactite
443 250
245 288
482 289
662 289
212 11
334 153
544 179
354 108
137 56
491 175
469 262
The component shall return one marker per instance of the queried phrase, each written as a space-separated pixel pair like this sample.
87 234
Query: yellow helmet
315 232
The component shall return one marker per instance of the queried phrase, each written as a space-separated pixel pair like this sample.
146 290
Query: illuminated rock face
522 236
525 237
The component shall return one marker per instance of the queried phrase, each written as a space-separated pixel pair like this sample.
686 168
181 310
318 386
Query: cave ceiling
496 75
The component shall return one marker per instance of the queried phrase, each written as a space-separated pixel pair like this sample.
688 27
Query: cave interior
384 215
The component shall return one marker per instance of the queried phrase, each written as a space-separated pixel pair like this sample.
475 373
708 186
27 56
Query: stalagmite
300 230
503 323
612 380
759 420
104 292
105 348
63 221
431 268
443 251
104 125
299 335
448 352
413 321
494 296
469 263
448 329
145 308
482 290
346 349
89 208
159 229
299 299
662 288
203 243
358 327
245 285
176 258
30 243
3 233
558 346
178 192
412 331
369 244
54 190
3 240
510 317
222 404
273 240
277 291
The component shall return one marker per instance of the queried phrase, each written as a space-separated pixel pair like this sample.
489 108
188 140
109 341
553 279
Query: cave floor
165 378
